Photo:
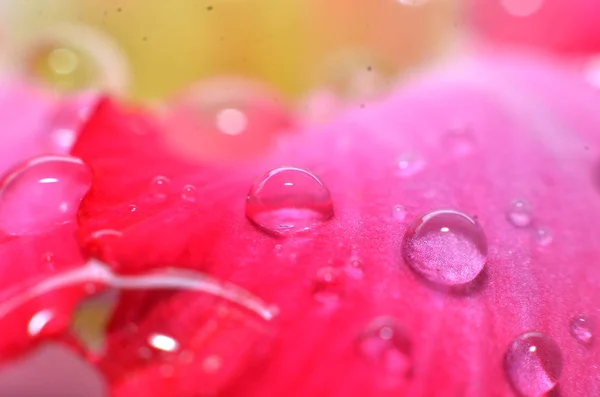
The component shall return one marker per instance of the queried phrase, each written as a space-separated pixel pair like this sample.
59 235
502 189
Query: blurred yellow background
149 49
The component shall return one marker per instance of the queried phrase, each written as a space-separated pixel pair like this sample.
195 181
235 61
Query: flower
376 255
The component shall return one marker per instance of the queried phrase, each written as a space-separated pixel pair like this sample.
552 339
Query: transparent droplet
522 8
354 268
42 193
519 213
412 2
399 213
47 261
226 118
327 287
288 200
582 328
132 208
385 346
533 364
446 247
543 236
459 141
409 165
189 193
159 187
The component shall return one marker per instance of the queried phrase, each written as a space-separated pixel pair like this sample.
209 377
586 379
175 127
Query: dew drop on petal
288 200
412 3
446 247
399 213
459 141
189 193
354 268
582 328
543 236
42 193
327 286
385 346
533 364
409 165
159 187
519 213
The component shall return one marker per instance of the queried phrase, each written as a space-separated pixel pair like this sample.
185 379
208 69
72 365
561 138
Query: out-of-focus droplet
160 187
533 364
522 8
328 286
591 71
446 247
72 57
288 200
387 348
410 164
399 213
62 129
459 141
543 236
43 193
519 213
413 2
582 328
225 119
189 193
354 268
319 106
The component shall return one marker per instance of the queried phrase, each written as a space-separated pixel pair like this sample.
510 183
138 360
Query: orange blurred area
149 49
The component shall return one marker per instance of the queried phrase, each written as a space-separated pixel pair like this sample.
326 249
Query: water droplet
522 8
132 208
327 286
409 165
387 347
582 328
47 261
288 200
412 2
459 141
519 213
159 187
543 236
42 193
533 364
354 268
189 193
212 363
226 118
163 342
446 247
399 213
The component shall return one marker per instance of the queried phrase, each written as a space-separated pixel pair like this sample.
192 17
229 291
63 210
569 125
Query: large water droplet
288 200
519 213
446 247
533 364
582 328
42 193
388 348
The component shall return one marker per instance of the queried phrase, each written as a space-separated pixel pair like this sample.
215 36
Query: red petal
472 137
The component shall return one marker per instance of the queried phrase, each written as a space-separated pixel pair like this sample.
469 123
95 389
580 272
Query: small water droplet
384 345
159 187
533 364
582 328
543 236
327 286
189 193
288 200
42 193
459 141
132 208
409 165
412 3
519 213
399 213
354 268
47 261
446 247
